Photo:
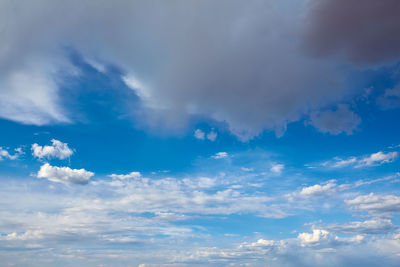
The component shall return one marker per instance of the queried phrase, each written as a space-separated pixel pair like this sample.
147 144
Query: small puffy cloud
212 136
277 168
126 176
58 150
316 237
220 155
199 134
342 119
4 154
64 175
375 204
318 190
373 226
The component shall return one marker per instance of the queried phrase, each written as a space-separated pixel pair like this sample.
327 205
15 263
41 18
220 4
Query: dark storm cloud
237 62
366 32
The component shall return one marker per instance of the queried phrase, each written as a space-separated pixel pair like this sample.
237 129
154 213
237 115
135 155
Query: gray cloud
342 119
363 31
227 60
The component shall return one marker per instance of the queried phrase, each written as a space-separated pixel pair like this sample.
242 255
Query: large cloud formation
233 61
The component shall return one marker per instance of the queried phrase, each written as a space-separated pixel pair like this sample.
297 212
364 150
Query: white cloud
316 237
373 226
4 154
374 159
220 155
199 134
212 136
64 175
126 176
58 150
277 168
319 190
375 204
377 159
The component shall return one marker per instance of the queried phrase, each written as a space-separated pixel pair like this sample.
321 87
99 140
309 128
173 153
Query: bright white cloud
58 150
220 155
64 175
277 168
199 134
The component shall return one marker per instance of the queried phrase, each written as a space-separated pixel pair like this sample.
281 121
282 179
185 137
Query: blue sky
187 133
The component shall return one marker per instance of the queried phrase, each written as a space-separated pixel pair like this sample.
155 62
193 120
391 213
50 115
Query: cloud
373 159
342 119
199 134
391 98
4 154
248 74
364 34
377 159
64 175
373 226
212 136
319 190
277 168
126 176
58 150
376 205
220 155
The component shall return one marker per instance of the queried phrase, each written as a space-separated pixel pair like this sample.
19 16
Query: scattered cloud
212 136
58 150
220 155
374 159
199 134
64 175
277 168
4 154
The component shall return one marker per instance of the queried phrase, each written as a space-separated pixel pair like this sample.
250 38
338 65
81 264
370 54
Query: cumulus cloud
363 32
342 119
5 154
248 73
64 175
375 204
58 150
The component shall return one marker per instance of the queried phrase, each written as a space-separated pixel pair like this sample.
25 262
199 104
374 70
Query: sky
199 133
